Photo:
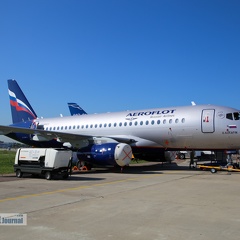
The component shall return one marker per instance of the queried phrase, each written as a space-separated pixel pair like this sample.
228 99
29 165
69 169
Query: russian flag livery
20 107
232 126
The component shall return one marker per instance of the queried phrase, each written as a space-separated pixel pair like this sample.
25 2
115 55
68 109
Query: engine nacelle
106 154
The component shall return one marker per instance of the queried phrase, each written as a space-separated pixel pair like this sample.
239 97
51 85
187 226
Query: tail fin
20 107
75 109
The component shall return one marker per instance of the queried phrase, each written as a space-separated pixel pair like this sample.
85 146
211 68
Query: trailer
214 169
47 162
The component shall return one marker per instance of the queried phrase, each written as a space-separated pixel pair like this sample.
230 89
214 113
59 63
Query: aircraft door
208 123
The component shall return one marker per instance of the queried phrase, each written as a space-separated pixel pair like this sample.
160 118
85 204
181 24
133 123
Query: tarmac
146 201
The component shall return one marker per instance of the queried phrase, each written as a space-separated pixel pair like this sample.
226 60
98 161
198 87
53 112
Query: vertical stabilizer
75 109
20 107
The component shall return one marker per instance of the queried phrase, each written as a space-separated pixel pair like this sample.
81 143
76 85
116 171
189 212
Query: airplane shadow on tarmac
153 168
138 168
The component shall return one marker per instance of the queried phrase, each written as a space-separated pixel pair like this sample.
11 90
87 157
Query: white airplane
111 138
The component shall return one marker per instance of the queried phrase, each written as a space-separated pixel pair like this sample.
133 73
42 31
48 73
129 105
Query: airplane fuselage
191 127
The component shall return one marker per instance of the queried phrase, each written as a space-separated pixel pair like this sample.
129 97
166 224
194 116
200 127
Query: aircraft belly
207 141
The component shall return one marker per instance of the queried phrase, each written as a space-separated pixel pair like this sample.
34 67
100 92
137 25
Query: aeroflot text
150 113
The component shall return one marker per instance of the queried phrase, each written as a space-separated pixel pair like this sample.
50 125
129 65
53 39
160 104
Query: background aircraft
111 138
75 109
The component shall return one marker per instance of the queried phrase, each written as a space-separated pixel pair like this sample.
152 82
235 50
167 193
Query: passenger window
170 121
125 124
183 120
152 122
164 121
120 124
136 123
130 123
158 121
95 125
109 125
141 123
115 124
176 121
147 122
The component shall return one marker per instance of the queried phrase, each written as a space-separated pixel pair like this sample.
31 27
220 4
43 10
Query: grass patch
6 161
136 161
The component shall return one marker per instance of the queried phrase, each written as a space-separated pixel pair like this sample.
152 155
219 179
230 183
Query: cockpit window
229 116
235 116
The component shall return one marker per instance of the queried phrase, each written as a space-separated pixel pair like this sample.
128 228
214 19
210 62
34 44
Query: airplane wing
62 136
65 137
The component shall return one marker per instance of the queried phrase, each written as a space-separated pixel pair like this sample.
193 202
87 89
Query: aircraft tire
79 164
19 173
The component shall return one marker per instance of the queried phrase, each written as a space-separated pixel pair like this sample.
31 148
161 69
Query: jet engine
106 154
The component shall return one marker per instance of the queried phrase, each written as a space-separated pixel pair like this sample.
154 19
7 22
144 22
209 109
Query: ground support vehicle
47 162
215 168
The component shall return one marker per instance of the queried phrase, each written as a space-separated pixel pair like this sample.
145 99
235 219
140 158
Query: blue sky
114 55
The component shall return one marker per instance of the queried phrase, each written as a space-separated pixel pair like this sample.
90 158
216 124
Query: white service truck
43 161
200 155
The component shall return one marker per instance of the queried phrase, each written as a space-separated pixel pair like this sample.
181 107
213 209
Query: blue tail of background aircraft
75 109
21 109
